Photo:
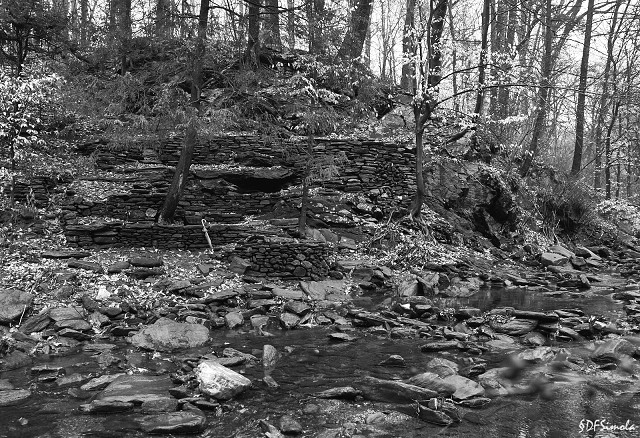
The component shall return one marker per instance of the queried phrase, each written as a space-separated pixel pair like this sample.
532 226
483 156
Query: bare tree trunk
291 24
407 81
304 202
424 110
163 18
84 22
608 153
113 13
353 42
454 61
315 17
508 45
483 58
543 93
271 28
602 107
582 93
253 39
125 34
181 174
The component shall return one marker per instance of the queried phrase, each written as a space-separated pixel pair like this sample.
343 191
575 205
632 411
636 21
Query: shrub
569 205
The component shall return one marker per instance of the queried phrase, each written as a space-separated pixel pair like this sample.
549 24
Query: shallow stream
312 363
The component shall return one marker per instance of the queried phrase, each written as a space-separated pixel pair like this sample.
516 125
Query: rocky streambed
348 357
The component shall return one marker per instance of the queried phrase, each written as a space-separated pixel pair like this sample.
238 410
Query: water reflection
597 302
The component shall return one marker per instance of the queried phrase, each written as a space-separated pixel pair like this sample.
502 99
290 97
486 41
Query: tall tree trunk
353 42
315 18
427 94
113 13
163 18
407 81
74 20
125 34
304 202
253 38
603 106
181 174
454 62
608 153
291 25
271 28
483 58
582 93
543 93
508 46
84 22
498 43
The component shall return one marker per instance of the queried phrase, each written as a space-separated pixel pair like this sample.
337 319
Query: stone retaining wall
148 234
194 205
381 170
268 253
284 257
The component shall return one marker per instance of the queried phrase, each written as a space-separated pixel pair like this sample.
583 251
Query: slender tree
483 57
543 92
582 92
408 48
602 106
181 174
426 93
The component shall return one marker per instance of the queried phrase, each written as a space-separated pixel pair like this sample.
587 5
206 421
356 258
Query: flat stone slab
101 382
13 397
57 255
146 262
142 273
342 392
87 266
332 290
137 389
393 391
106 407
67 313
288 294
168 335
182 422
515 327
553 259
13 303
464 388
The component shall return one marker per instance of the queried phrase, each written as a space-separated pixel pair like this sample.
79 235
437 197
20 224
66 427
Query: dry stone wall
382 171
147 234
268 253
285 257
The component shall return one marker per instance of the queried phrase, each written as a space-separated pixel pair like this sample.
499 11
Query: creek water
312 363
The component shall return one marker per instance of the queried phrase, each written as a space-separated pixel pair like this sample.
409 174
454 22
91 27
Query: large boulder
168 335
219 381
13 303
613 350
